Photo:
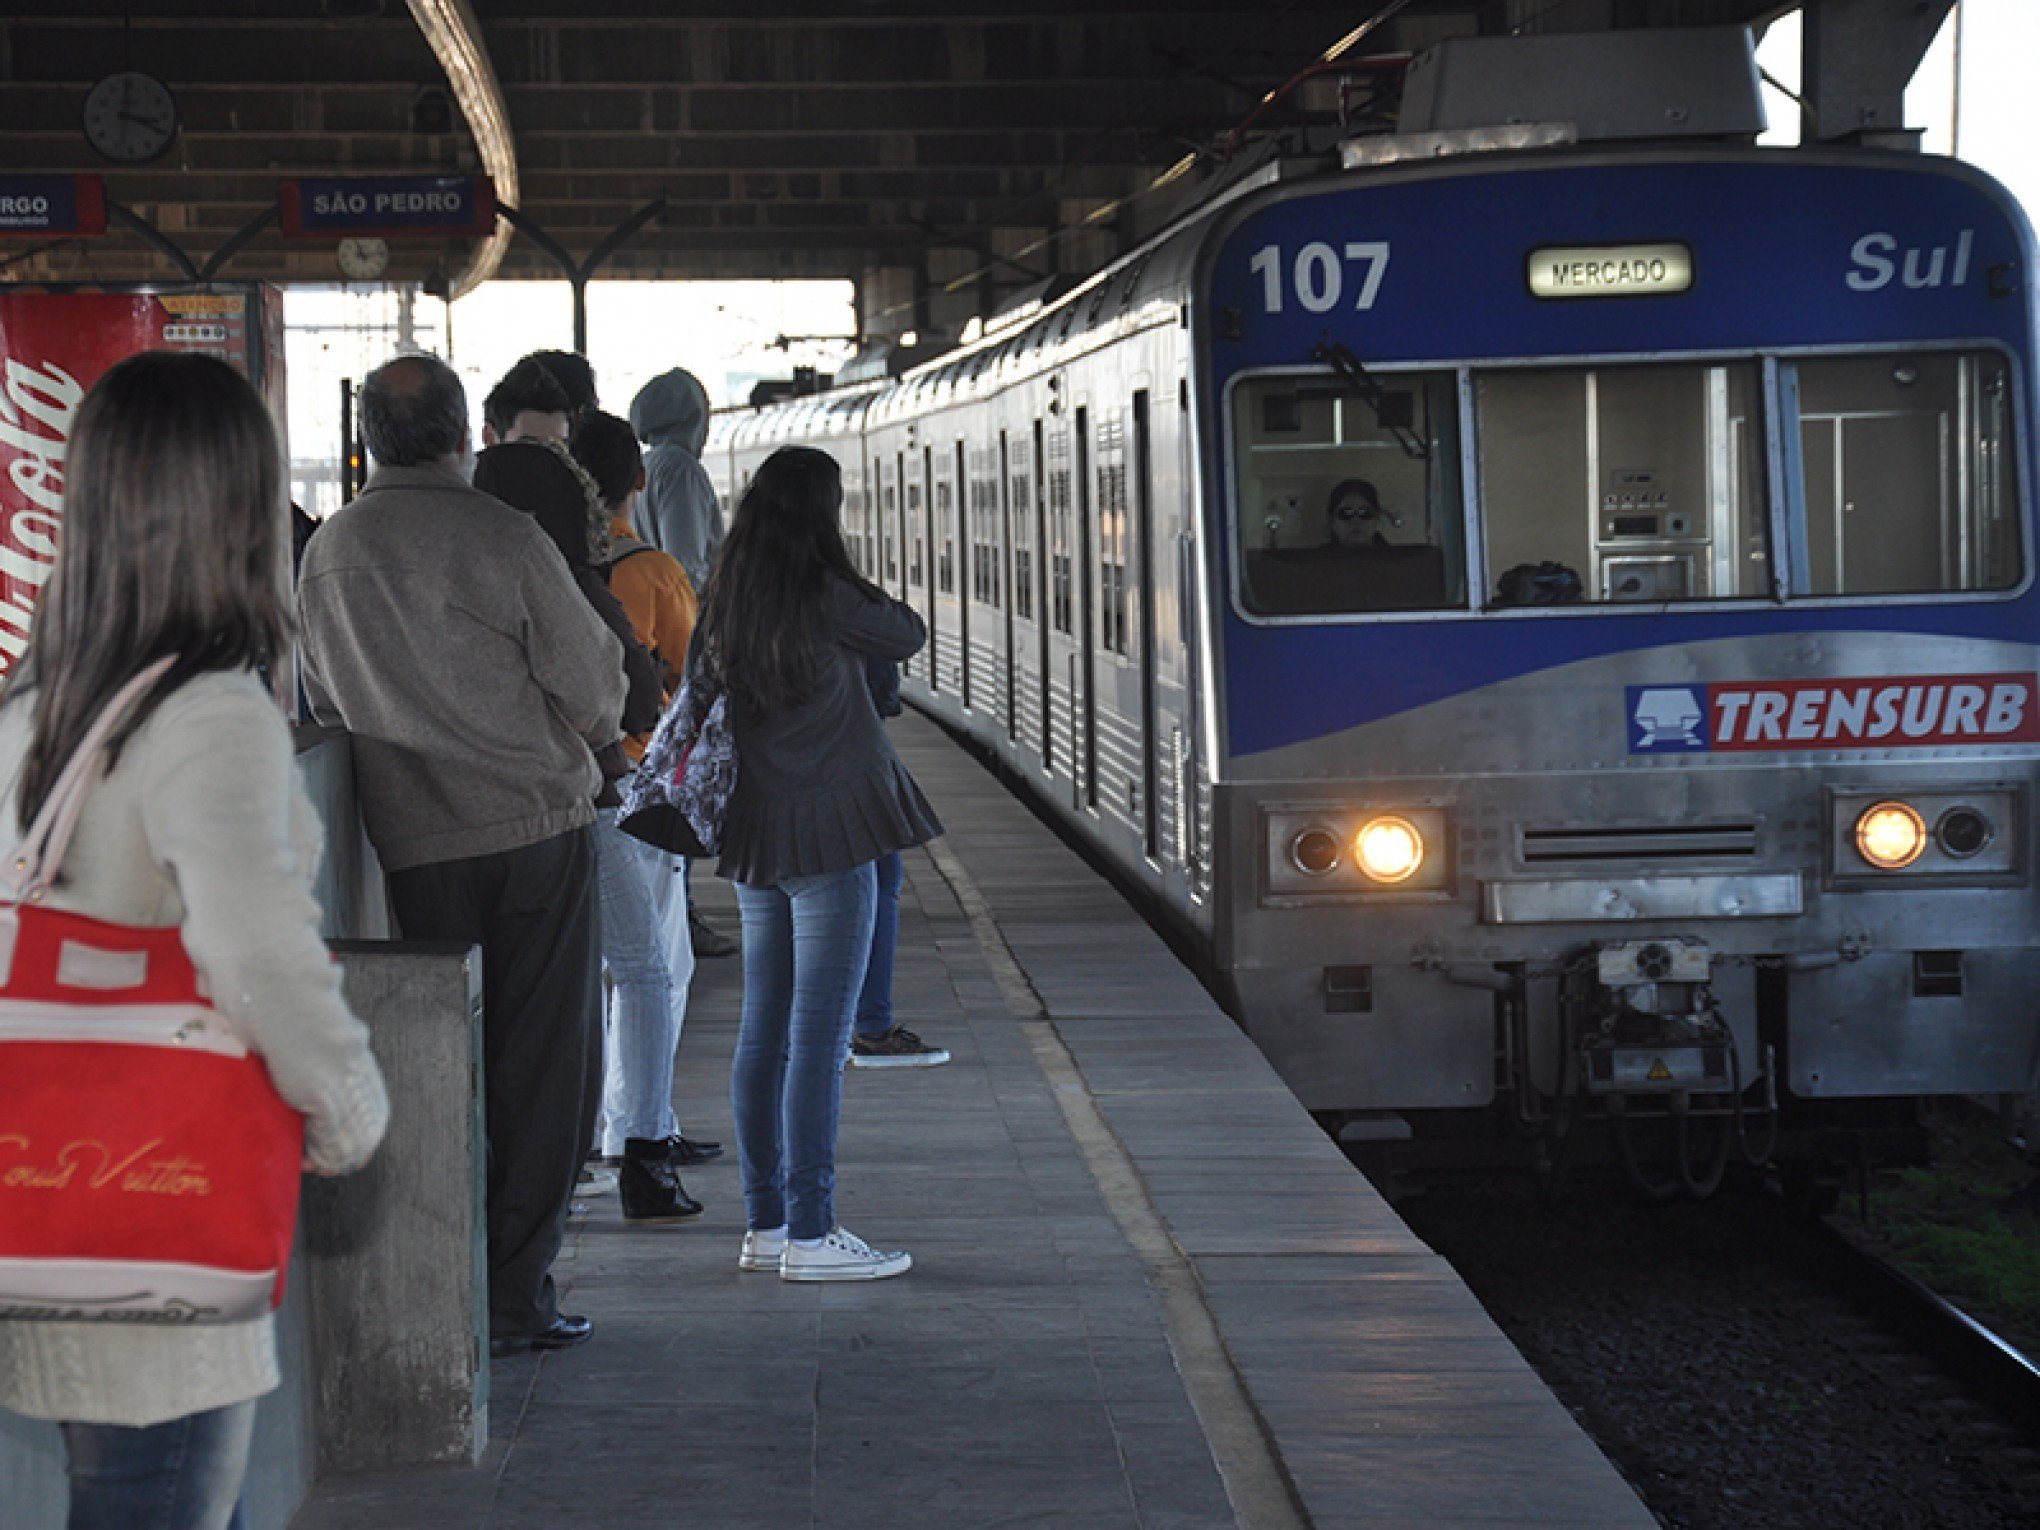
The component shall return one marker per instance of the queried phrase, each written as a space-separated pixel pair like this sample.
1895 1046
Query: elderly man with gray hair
442 629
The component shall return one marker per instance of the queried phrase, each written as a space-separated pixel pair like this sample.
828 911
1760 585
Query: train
1549 619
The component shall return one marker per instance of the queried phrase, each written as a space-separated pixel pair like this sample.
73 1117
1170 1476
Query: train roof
1151 283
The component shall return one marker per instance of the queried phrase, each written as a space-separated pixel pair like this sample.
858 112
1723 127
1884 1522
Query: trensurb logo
1667 719
1896 712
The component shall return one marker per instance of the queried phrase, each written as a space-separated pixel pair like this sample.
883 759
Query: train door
1191 764
1143 495
1120 748
1008 574
920 562
1060 685
959 531
1083 664
888 528
941 570
856 513
990 662
1044 670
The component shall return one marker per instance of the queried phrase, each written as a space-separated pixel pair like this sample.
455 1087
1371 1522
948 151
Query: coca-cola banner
53 346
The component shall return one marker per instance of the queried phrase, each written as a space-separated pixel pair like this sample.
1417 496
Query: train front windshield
1613 484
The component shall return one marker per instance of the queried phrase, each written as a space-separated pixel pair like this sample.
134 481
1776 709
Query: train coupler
1652 1024
1652 1042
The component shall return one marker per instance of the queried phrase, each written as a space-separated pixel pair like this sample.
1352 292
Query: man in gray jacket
442 630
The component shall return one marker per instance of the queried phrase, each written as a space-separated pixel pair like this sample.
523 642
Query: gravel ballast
1731 1386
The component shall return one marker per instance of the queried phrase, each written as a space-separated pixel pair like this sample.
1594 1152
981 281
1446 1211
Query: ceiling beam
456 41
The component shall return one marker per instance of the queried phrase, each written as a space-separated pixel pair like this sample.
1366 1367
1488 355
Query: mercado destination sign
387 206
1614 270
37 206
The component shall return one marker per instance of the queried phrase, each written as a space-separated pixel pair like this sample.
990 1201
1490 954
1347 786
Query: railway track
1744 1367
1994 1369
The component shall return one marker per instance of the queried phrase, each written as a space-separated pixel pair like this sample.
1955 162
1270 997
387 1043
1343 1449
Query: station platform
1147 1290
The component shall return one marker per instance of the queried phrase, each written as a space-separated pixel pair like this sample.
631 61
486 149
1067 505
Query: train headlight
1389 849
1315 852
1964 832
1890 835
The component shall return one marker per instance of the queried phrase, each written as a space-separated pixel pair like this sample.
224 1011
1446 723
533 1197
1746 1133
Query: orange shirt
656 595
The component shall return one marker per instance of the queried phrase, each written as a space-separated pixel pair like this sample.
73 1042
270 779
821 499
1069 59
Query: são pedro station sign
387 207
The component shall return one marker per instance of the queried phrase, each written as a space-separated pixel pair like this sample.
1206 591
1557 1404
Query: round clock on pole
130 117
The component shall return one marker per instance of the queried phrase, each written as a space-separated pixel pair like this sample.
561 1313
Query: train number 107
1318 276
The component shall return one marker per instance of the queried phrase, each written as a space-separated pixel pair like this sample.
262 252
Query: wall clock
363 260
130 117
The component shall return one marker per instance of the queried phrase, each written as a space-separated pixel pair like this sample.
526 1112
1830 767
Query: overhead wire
1324 63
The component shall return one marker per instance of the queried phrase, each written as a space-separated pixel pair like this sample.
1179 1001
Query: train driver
1354 515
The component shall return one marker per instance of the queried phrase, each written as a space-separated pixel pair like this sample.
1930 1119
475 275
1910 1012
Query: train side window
917 567
1110 450
1350 505
852 519
984 524
1635 484
1910 478
889 498
1061 537
1021 478
945 534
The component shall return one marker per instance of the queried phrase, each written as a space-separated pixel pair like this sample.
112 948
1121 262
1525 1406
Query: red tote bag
149 1170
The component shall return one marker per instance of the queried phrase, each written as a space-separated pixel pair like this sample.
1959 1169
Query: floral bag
679 796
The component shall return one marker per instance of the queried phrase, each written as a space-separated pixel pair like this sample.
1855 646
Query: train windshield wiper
1388 412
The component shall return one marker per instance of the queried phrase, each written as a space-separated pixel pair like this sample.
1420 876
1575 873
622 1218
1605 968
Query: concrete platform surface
1147 1290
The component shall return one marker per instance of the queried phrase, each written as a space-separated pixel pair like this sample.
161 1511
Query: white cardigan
203 825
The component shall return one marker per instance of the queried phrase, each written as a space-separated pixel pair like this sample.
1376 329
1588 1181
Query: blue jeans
647 1001
874 1004
805 945
182 1475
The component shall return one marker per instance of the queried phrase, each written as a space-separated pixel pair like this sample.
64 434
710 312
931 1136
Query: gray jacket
442 630
678 513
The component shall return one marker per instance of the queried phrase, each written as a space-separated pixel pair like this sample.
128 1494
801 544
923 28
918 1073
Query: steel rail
1962 1346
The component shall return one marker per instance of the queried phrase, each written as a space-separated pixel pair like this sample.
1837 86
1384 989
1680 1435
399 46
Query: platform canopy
922 146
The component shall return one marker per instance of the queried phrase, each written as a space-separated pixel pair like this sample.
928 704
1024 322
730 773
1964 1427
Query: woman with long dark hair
176 546
787 626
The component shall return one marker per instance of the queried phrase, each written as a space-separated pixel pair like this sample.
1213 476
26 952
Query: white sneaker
763 1249
842 1256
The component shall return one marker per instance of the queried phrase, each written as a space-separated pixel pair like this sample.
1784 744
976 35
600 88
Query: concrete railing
382 1333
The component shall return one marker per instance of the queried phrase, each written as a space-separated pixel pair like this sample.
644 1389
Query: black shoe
897 1048
687 1152
649 1186
708 943
565 1333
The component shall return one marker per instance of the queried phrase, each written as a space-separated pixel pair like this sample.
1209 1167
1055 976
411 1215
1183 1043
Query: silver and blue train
1555 625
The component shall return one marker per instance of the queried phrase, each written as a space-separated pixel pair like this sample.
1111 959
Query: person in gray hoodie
677 512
